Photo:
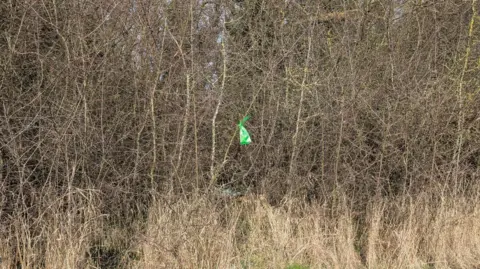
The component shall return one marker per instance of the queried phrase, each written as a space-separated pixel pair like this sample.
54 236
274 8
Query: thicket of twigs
117 116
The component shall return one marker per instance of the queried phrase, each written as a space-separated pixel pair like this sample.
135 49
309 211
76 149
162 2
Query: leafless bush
135 99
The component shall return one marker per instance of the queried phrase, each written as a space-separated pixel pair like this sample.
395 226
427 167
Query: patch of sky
220 38
162 76
210 84
399 9
133 9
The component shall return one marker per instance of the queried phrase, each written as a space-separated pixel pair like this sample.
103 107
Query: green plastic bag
244 136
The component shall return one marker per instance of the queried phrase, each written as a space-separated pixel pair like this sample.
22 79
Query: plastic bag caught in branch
244 135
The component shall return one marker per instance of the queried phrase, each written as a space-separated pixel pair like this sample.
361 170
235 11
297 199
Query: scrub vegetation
119 144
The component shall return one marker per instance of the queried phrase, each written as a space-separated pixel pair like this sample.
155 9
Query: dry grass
425 231
407 233
58 237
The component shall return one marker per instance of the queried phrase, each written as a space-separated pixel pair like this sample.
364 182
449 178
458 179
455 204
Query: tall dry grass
429 230
58 237
426 231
